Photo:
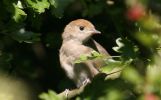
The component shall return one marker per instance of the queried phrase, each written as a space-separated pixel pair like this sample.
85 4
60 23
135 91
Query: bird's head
80 30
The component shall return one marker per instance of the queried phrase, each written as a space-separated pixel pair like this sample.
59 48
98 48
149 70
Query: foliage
51 95
30 39
94 55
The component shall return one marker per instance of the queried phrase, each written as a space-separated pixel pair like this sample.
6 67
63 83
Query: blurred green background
30 38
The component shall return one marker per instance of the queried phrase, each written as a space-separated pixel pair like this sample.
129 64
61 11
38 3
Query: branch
72 93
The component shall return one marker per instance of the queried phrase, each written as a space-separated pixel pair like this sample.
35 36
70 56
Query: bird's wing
96 46
100 48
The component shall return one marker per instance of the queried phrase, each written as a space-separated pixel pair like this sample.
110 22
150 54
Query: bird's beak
96 32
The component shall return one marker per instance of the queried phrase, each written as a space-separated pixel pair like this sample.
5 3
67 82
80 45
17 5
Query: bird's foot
86 81
66 93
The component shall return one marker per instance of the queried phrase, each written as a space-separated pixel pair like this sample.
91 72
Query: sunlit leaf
114 94
114 67
147 39
119 45
19 5
110 65
38 5
151 23
19 14
53 3
153 77
51 95
82 58
94 55
132 75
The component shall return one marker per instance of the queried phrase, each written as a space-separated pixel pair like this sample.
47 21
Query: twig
114 72
72 93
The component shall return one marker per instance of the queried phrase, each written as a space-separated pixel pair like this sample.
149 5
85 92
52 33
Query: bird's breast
75 50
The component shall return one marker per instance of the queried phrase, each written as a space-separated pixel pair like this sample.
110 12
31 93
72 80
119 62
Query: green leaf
132 75
147 39
153 74
82 58
19 14
38 5
114 67
127 48
19 4
25 36
51 95
94 55
53 3
151 23
120 45
114 94
14 10
110 65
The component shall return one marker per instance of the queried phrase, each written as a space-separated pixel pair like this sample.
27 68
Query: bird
76 41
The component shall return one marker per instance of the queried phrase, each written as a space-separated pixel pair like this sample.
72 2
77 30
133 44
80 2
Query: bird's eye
81 28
